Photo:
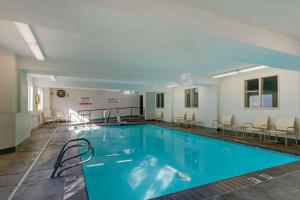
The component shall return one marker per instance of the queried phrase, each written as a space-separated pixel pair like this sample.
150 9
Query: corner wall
174 105
231 96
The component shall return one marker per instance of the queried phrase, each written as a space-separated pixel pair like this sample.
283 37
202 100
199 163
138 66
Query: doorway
141 105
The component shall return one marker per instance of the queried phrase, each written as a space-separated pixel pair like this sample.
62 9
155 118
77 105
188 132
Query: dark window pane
162 100
188 98
270 92
195 97
252 93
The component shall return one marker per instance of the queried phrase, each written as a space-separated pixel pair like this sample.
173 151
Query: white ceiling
139 44
276 15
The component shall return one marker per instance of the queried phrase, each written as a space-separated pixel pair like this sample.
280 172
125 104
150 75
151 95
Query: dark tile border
251 141
232 184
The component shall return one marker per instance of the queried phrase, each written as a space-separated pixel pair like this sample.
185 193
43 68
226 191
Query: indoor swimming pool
146 161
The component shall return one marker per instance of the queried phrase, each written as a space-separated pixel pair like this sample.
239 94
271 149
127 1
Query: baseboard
7 150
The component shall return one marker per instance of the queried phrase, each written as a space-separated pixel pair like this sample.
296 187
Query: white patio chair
226 122
284 126
258 125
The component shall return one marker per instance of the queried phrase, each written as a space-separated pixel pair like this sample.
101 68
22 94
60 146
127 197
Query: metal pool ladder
59 161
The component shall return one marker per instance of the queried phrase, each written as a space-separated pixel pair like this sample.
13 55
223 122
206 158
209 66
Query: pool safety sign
85 101
113 100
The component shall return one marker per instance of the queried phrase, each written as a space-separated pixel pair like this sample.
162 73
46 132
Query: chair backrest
260 121
60 114
190 116
227 119
285 122
47 113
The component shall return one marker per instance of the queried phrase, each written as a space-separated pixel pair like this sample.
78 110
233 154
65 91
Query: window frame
40 93
191 97
30 97
260 93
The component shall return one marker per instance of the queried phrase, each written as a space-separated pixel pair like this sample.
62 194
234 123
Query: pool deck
283 184
38 185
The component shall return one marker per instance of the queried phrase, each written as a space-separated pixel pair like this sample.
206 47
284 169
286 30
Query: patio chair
190 117
159 117
60 117
284 126
47 118
194 122
226 122
259 125
180 120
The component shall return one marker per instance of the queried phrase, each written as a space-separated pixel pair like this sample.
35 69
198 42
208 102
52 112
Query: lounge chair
60 117
47 118
194 122
190 118
226 122
259 125
180 120
159 117
284 126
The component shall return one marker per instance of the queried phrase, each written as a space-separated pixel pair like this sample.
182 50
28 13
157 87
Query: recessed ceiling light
29 38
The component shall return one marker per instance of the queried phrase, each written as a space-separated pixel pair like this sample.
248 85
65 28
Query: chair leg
296 138
285 139
259 136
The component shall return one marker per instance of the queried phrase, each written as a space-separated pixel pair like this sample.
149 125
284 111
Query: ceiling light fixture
225 74
112 90
172 85
249 69
253 68
29 38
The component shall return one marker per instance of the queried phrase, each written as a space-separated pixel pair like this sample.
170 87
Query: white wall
231 96
150 104
174 105
16 122
99 99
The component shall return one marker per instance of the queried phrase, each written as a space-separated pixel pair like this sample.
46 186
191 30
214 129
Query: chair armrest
246 125
227 123
287 129
264 126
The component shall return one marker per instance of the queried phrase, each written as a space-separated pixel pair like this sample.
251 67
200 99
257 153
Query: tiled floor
39 185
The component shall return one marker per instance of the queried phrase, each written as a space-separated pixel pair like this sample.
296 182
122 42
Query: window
270 92
252 93
40 99
30 97
160 100
191 98
261 93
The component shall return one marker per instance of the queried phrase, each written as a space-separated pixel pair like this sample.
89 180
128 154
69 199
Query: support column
9 99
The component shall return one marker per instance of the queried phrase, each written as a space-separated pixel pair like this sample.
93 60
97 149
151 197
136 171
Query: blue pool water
146 161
